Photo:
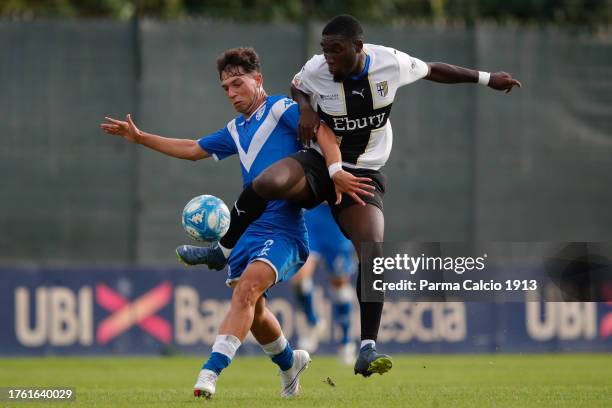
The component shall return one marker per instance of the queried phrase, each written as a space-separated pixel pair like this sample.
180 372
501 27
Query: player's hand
308 125
126 129
347 183
503 81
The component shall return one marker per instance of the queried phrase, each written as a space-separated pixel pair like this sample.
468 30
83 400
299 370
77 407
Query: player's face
241 88
341 55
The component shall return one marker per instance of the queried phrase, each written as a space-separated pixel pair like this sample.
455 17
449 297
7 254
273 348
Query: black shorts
322 186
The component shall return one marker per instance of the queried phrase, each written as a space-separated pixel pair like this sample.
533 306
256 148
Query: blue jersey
267 136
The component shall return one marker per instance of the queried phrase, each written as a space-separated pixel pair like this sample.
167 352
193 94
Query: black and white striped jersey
358 109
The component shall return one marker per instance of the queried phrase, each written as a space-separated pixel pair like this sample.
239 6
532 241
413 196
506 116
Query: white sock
226 251
276 347
366 342
226 344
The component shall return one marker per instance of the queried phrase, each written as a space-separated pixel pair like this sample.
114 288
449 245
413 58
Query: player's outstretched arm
453 74
180 148
309 119
344 181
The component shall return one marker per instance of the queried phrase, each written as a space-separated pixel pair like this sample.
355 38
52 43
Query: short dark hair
344 25
244 57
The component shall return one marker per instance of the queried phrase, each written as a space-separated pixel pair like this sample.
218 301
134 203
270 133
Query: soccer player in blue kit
331 252
274 247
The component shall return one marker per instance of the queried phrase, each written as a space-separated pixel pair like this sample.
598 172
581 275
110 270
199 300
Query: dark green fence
467 163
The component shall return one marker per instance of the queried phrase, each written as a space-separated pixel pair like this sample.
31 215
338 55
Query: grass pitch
579 380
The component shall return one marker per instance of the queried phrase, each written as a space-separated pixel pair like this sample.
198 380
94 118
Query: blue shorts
284 253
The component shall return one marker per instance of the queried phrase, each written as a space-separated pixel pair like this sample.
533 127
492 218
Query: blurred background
80 209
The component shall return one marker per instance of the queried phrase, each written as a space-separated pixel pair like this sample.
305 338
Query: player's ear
358 45
259 78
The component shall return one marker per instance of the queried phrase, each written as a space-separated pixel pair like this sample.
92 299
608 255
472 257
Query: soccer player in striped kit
351 87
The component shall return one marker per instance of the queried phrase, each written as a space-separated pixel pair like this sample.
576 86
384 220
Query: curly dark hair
244 57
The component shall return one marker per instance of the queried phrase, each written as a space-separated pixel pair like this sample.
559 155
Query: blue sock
342 316
217 362
303 293
311 316
285 358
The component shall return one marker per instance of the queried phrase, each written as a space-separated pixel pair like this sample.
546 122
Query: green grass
579 380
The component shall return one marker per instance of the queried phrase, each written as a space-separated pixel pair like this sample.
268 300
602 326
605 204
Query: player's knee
372 234
375 250
246 294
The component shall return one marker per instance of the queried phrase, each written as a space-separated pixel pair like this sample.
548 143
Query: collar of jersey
364 71
245 120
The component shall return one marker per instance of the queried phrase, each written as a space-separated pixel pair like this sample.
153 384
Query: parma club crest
382 88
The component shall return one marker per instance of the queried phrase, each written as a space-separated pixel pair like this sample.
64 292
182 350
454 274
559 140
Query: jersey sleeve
411 69
303 79
219 144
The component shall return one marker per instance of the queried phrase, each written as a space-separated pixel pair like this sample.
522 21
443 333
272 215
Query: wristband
484 77
334 168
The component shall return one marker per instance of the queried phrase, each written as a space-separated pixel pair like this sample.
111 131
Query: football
206 218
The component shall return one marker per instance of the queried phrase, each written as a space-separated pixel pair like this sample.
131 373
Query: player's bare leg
366 224
265 328
245 306
284 180
254 281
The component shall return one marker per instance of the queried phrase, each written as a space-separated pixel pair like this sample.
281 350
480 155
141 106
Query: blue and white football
206 218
